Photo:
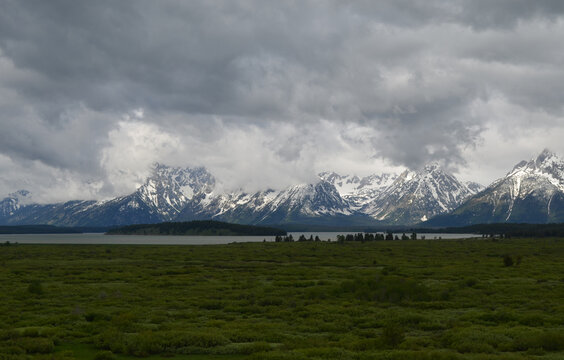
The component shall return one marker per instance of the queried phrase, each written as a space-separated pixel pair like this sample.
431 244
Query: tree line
361 237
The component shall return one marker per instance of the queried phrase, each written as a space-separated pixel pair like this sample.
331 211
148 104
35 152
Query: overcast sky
267 93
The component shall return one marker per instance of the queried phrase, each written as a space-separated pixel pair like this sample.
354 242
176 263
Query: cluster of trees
362 237
376 237
290 238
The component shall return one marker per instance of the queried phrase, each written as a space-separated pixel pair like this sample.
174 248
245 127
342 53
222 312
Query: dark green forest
201 227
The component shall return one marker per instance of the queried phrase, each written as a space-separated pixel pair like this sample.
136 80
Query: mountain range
532 192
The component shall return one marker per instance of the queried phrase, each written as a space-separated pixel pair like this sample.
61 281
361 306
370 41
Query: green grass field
450 299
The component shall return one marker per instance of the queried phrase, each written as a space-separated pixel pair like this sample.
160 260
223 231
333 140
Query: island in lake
200 227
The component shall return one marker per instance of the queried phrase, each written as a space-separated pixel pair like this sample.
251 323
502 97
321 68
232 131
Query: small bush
551 341
35 287
242 348
36 345
392 289
111 339
470 282
193 339
507 260
393 334
144 344
93 316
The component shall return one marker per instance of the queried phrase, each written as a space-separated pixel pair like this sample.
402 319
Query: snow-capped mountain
532 192
14 202
169 190
165 194
416 196
181 194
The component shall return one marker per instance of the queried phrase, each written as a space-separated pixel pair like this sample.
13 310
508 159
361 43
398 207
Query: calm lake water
176 240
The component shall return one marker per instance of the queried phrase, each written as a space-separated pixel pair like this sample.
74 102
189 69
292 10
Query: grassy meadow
422 299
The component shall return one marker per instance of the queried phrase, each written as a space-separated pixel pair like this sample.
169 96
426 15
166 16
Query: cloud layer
269 93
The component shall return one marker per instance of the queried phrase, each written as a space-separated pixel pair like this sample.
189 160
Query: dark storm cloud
417 76
479 14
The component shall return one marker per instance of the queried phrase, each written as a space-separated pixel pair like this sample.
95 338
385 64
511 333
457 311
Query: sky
266 94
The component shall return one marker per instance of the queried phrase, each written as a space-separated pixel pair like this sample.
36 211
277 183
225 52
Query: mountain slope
533 192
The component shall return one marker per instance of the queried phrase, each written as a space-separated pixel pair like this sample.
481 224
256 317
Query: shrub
195 339
507 260
111 339
144 344
393 334
392 289
93 316
551 340
35 287
470 282
242 348
36 345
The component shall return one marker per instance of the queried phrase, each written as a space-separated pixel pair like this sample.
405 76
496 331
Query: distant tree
317 238
413 236
389 236
404 237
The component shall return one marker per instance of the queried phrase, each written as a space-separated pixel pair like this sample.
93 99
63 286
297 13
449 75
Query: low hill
200 227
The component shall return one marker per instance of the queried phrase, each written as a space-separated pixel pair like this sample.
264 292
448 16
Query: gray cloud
386 83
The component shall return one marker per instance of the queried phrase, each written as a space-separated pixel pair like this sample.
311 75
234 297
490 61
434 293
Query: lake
176 240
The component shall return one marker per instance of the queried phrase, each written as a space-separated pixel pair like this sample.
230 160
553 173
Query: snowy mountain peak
432 167
547 166
14 201
546 156
169 189
418 195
